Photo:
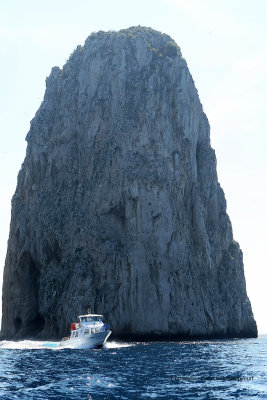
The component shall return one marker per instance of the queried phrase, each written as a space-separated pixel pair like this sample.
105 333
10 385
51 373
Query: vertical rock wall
118 206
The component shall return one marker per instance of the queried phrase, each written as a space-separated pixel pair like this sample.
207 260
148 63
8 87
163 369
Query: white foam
34 344
117 345
28 344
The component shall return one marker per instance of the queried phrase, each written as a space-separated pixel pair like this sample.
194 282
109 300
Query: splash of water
35 345
117 345
27 345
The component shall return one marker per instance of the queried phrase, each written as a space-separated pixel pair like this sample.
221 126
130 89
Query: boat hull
94 340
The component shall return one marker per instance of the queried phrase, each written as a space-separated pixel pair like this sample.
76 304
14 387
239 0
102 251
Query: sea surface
217 369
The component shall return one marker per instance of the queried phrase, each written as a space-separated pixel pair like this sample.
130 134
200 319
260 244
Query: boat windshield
93 318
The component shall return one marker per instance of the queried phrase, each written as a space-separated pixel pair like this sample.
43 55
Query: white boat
90 332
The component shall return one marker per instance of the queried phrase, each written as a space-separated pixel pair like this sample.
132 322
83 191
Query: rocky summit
118 206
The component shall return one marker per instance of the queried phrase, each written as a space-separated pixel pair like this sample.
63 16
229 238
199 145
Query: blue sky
225 46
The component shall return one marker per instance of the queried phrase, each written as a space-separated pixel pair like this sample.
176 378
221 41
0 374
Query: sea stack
118 206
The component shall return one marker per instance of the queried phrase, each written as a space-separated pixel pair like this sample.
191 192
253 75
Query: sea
209 369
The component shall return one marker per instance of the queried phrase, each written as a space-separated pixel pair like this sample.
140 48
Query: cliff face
118 206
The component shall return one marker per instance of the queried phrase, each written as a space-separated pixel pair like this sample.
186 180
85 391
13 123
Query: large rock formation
118 206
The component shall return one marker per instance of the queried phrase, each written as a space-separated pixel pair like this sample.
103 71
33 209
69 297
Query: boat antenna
88 310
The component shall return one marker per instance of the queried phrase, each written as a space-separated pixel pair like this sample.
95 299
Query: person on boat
72 327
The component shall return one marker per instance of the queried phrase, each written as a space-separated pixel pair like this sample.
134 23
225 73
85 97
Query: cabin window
87 331
92 318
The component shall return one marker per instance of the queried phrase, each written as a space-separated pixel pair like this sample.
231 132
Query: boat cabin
91 318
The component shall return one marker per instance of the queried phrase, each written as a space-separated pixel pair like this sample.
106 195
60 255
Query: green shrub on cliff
170 49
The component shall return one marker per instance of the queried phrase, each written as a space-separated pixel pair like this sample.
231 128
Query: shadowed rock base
181 337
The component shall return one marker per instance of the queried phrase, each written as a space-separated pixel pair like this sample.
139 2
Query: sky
225 45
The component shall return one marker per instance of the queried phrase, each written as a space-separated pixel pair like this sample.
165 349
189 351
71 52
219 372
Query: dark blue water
222 369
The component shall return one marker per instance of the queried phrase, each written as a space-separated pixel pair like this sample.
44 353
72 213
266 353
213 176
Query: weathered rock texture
118 206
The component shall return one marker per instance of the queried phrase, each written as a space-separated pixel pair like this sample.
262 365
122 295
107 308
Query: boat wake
117 345
37 345
28 345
